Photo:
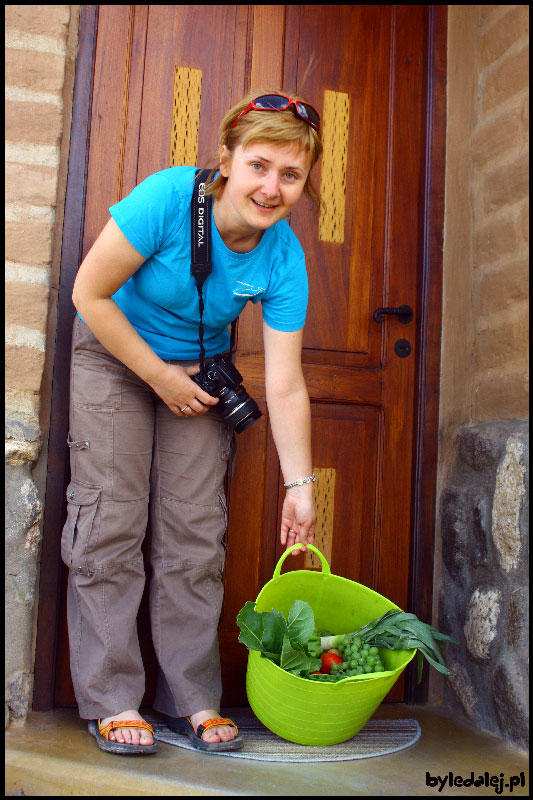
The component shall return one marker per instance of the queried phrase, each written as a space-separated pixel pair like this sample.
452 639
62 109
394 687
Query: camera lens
237 408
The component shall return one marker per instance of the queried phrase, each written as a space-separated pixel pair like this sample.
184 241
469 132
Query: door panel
157 100
365 75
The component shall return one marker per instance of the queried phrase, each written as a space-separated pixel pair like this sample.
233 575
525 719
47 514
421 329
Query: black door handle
404 313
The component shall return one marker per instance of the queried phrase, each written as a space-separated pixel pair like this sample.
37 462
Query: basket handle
325 566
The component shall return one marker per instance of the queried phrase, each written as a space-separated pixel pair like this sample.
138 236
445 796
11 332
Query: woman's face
264 183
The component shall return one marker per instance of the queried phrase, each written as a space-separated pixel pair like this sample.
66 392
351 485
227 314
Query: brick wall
40 53
500 191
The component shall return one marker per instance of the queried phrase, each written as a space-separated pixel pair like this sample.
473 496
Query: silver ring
184 407
291 530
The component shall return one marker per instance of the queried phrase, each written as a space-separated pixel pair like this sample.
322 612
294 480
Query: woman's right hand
182 395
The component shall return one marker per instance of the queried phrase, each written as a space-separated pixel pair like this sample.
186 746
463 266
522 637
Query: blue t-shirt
161 300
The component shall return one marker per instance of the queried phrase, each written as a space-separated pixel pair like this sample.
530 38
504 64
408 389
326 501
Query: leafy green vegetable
297 647
285 642
252 626
313 645
274 631
397 630
301 622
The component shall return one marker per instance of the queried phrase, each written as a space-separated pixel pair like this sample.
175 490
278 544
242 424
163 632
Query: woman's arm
290 420
110 262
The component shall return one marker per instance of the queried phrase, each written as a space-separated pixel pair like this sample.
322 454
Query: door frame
427 368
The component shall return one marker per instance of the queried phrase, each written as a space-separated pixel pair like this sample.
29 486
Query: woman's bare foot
128 735
222 733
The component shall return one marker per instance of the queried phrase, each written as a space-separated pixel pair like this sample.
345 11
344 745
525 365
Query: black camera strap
201 209
201 244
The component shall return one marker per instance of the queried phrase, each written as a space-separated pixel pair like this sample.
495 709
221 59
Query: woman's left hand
298 518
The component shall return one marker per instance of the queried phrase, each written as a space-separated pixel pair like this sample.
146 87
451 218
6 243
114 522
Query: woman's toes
224 734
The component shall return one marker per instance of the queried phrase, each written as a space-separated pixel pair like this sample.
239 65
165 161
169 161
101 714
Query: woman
145 439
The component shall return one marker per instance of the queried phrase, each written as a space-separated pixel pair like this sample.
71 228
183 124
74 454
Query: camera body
220 378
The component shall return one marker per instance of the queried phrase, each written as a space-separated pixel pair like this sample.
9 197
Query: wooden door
163 77
365 65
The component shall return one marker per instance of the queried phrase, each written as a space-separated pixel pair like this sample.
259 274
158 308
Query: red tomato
327 660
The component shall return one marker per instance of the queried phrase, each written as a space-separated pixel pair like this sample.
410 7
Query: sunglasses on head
280 102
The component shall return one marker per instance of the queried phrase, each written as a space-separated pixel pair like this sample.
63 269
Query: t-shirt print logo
247 290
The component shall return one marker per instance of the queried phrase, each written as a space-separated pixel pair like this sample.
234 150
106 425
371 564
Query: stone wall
41 44
482 544
484 600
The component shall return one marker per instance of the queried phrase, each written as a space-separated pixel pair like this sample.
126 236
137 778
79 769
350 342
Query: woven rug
379 737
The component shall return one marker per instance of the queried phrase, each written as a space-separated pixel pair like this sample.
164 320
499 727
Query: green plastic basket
306 711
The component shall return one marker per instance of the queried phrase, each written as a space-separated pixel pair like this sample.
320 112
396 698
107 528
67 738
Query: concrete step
53 755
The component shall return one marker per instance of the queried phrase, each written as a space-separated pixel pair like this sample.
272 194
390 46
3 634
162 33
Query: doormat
379 737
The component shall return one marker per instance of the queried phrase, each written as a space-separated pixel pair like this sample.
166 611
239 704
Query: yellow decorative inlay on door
185 117
335 127
325 507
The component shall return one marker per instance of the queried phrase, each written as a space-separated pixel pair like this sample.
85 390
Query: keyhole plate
402 348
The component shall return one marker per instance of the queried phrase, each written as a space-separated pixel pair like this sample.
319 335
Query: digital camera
220 378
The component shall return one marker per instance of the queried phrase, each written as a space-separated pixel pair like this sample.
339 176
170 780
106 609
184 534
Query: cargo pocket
229 451
79 529
224 509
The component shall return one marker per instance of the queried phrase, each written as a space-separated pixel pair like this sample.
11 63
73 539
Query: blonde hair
280 127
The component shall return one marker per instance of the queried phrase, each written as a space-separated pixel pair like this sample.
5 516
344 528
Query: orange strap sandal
184 726
101 733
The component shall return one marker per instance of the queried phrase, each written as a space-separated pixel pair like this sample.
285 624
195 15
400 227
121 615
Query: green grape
373 651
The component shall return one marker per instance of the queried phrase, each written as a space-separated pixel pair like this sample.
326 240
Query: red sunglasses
280 102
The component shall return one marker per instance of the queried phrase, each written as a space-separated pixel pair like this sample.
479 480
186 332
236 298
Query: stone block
497 239
27 303
507 504
45 20
495 137
31 184
506 184
34 123
29 242
504 345
463 688
499 289
501 36
505 396
510 685
523 223
508 78
480 550
517 619
481 626
455 527
24 368
23 518
476 448
38 72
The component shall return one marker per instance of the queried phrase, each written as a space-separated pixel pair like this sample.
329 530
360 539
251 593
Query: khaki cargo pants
132 460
